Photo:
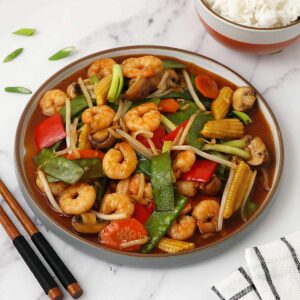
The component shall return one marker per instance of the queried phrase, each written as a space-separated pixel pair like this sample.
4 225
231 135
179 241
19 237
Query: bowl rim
213 13
71 234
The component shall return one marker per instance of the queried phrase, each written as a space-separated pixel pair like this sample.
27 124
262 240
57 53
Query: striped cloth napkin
272 272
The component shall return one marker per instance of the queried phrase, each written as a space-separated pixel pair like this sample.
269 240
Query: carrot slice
122 231
206 86
168 105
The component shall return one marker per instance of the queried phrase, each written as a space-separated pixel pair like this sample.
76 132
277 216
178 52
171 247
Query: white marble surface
91 26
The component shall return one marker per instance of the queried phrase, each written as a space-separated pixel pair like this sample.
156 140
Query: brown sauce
259 127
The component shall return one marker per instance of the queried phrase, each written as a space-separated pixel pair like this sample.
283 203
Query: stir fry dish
149 154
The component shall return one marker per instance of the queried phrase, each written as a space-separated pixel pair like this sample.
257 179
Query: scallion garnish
13 55
17 89
25 31
62 53
243 117
116 84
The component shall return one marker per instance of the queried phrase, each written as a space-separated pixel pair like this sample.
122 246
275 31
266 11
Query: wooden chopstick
33 262
59 268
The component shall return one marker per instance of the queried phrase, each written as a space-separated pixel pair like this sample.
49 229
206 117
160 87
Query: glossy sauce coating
259 127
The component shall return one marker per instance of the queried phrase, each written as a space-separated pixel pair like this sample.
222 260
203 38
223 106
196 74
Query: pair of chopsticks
33 262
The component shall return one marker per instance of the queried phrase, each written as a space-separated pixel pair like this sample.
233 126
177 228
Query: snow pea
92 167
185 95
78 105
194 137
172 64
144 166
43 156
181 115
159 222
161 181
63 169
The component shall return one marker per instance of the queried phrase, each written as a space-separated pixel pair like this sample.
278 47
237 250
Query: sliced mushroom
88 223
74 90
139 89
102 139
212 187
243 98
259 152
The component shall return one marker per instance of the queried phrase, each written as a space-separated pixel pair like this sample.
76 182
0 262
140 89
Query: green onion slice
62 53
13 55
243 117
25 31
172 64
17 89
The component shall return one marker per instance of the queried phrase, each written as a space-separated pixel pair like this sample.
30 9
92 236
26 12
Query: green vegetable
43 156
167 146
194 137
222 170
13 55
161 181
185 95
241 144
56 146
17 89
155 100
172 64
181 115
251 207
94 79
92 167
159 222
62 53
243 117
78 105
116 84
25 31
167 122
144 166
100 186
52 179
63 169
228 150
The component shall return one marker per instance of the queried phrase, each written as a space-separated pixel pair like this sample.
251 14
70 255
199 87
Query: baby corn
223 129
101 89
221 105
237 189
174 246
83 140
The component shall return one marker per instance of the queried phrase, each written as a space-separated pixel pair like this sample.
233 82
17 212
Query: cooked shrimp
77 199
206 213
118 204
101 67
187 208
98 117
187 188
143 117
52 101
56 188
119 162
183 228
183 162
140 191
147 66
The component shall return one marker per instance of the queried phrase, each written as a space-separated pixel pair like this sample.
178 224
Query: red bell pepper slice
87 153
157 138
141 213
201 171
49 131
172 135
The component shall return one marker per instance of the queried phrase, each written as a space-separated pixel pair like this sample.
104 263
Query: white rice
257 13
